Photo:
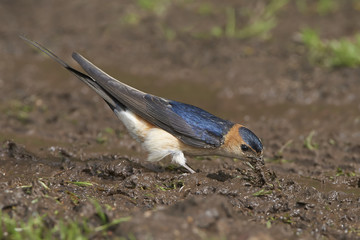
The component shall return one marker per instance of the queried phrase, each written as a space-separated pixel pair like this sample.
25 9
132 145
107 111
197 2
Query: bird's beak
260 160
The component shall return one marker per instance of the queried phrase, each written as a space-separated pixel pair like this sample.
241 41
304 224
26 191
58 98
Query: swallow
165 127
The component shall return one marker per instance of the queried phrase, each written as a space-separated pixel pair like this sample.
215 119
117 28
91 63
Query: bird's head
241 142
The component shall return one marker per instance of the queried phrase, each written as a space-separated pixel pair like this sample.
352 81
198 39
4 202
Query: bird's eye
244 147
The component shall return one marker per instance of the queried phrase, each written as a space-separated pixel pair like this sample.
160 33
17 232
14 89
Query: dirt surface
55 131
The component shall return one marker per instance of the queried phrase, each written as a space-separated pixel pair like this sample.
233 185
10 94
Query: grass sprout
279 155
35 228
159 7
321 7
206 9
230 29
75 199
343 52
260 28
309 144
81 184
164 189
262 192
263 22
100 212
112 223
341 172
260 22
324 7
43 184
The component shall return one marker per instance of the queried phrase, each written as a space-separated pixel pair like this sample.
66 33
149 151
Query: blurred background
287 69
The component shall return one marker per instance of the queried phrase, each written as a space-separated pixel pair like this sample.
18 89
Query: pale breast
156 141
137 127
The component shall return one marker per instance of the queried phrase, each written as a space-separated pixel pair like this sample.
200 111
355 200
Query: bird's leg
188 168
179 158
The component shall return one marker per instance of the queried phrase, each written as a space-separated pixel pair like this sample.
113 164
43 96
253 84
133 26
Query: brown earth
56 131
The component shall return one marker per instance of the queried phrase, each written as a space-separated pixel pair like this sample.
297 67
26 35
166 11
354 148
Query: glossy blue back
212 129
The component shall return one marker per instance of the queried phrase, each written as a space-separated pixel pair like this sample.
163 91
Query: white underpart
160 144
157 142
132 123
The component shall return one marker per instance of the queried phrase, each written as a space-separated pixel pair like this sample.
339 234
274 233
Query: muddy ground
55 131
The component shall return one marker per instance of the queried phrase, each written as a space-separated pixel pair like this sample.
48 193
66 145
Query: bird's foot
187 167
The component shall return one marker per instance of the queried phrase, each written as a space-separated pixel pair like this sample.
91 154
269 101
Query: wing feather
191 125
156 110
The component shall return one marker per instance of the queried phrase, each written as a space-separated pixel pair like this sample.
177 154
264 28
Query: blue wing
207 127
190 124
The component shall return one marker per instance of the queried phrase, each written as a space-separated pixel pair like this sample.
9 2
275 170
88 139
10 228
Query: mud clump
169 204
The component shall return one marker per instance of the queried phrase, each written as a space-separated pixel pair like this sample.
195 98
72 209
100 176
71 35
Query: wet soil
55 131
